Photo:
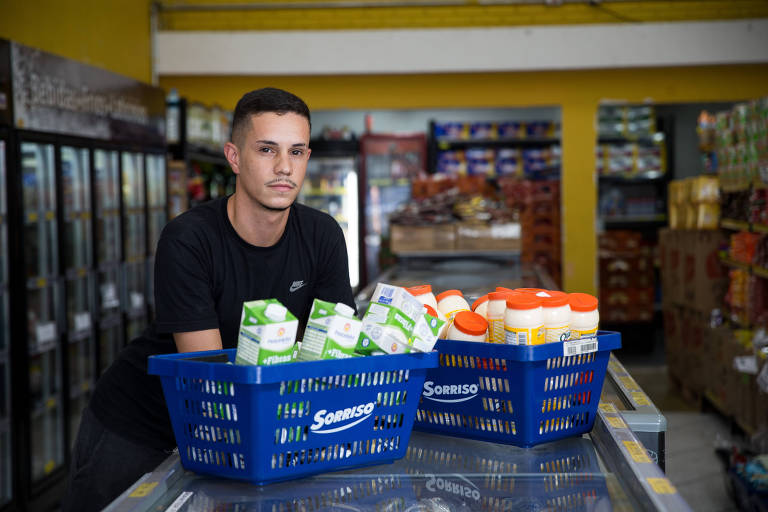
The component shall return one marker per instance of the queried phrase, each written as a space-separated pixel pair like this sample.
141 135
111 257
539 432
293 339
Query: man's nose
283 165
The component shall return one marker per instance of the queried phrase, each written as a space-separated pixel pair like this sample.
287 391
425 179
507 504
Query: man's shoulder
315 218
198 219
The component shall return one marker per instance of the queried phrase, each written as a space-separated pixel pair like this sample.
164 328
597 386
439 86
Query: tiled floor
691 437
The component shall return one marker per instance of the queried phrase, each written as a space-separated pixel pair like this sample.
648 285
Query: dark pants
104 465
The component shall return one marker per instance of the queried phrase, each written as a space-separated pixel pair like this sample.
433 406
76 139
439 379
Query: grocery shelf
35 349
459 254
208 157
627 221
444 144
735 264
632 179
760 228
645 140
734 225
760 272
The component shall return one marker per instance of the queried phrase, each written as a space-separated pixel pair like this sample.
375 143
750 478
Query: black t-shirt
204 272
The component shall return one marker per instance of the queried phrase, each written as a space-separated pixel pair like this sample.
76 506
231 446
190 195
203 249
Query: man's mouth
283 186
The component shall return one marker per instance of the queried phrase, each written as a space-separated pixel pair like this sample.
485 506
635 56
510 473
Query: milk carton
400 298
267 333
425 332
389 320
331 333
385 328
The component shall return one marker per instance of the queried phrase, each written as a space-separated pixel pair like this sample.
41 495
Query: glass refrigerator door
45 360
158 215
389 164
78 263
331 186
5 371
108 254
135 241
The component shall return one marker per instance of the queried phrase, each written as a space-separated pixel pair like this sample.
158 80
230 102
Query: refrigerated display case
389 163
79 280
5 370
44 322
62 284
331 185
157 207
109 287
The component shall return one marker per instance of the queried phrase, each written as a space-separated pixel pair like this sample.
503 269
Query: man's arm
196 341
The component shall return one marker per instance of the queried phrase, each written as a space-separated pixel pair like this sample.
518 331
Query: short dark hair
268 99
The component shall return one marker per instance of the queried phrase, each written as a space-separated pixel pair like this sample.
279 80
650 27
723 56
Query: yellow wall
110 34
577 92
473 14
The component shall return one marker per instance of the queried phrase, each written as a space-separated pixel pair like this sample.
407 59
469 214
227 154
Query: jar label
557 334
576 334
496 330
524 336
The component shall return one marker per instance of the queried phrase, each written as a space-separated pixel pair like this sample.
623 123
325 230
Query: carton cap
470 323
344 310
479 301
276 312
523 301
582 302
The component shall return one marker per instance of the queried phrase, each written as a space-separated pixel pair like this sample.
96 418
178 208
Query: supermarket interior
519 157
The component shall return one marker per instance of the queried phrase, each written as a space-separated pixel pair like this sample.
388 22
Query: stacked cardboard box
539 204
626 277
694 203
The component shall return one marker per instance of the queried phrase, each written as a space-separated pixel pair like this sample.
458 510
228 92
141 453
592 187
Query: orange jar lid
555 300
582 302
448 293
479 301
534 291
430 310
419 289
523 301
498 295
470 323
502 289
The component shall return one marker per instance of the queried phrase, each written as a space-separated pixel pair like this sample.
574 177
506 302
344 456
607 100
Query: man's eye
265 149
297 152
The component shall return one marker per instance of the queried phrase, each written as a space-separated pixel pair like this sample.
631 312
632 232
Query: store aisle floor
691 463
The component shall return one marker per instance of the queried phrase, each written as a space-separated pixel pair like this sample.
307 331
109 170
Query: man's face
272 159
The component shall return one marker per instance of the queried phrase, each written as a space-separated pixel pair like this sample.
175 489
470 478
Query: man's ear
233 156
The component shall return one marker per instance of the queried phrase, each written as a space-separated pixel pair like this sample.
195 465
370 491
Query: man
255 244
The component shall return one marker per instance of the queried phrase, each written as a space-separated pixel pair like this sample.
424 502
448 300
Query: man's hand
196 341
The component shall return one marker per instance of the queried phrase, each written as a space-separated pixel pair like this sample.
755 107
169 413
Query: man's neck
255 224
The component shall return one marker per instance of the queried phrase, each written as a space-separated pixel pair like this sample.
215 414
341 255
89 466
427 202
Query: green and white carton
385 328
331 333
267 333
426 332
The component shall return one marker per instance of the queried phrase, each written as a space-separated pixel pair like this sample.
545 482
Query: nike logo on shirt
296 285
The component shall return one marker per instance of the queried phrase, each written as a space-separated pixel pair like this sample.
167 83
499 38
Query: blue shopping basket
521 395
270 423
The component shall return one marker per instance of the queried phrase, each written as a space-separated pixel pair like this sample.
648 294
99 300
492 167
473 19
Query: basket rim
178 365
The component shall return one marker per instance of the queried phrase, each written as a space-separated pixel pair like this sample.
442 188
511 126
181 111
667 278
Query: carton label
385 328
329 335
426 332
263 341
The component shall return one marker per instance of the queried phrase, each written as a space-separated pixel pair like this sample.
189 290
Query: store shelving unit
77 253
196 137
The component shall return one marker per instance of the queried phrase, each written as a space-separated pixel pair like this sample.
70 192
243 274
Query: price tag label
143 490
640 398
109 295
629 383
180 501
745 364
662 486
137 300
615 421
606 407
49 466
578 347
45 332
636 451
82 321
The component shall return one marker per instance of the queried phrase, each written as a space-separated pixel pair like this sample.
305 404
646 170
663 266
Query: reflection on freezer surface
107 199
41 251
46 439
434 476
75 175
